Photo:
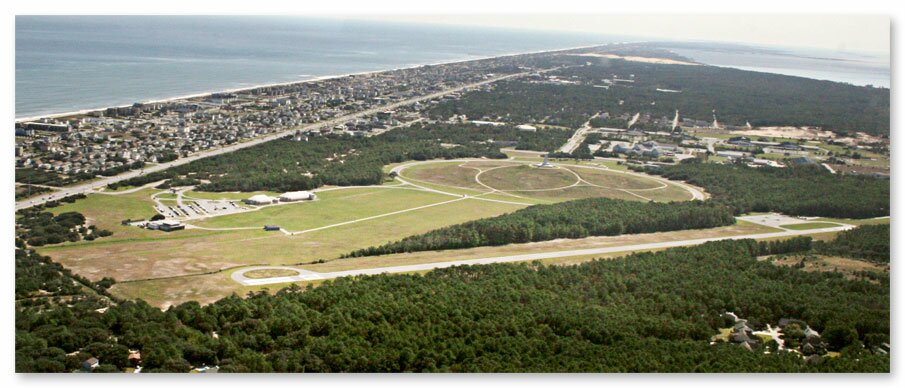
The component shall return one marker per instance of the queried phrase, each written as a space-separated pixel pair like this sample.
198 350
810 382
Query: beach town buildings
117 139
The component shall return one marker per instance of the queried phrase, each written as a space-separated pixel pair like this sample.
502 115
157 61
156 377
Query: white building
732 154
293 196
527 128
261 199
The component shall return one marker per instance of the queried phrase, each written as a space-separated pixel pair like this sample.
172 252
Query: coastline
302 81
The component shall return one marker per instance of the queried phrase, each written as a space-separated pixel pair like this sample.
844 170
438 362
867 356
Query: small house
90 364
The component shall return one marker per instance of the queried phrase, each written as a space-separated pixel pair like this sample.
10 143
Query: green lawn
199 251
447 174
850 221
107 211
331 207
809 226
616 180
451 178
329 243
527 178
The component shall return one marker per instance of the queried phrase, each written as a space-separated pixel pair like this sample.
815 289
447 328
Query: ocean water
69 63
856 68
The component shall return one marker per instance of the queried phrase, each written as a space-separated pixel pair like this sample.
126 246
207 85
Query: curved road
307 275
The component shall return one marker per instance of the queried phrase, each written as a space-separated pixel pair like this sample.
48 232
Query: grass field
166 195
210 287
107 212
454 174
617 180
331 207
850 221
517 181
199 251
195 263
809 226
524 178
270 273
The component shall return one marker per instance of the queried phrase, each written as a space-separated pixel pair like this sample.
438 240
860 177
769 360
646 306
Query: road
305 275
578 137
93 185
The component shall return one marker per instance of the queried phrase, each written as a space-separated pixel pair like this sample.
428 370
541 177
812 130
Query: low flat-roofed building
261 199
166 225
732 154
293 196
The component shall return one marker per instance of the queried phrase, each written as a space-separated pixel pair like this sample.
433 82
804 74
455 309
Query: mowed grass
524 177
270 273
809 226
201 251
108 212
331 207
210 287
113 207
617 180
669 193
578 192
517 180
742 228
850 221
446 174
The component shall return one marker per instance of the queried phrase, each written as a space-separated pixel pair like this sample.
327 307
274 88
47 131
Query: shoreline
314 79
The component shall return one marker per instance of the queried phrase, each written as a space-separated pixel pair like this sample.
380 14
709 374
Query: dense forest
868 242
342 160
572 219
648 312
738 97
40 177
519 102
798 191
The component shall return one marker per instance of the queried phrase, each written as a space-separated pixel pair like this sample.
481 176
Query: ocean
856 68
70 63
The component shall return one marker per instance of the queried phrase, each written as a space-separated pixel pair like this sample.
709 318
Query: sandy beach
632 58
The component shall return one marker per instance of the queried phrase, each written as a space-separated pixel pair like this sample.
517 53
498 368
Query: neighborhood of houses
792 335
114 139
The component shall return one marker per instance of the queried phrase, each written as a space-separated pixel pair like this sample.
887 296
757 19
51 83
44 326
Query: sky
839 32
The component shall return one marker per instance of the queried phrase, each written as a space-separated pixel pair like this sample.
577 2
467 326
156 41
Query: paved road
87 187
305 275
578 137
